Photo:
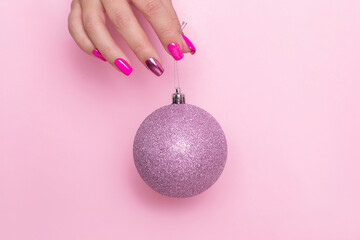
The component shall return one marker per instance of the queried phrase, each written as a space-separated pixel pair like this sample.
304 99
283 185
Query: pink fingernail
154 66
123 66
98 54
175 51
189 44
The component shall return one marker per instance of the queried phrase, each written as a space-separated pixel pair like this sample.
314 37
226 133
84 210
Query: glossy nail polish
123 66
154 66
175 51
189 44
98 54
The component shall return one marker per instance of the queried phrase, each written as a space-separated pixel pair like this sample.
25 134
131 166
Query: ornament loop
178 97
176 69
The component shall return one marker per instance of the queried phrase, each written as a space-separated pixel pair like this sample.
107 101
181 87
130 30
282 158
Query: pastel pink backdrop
282 78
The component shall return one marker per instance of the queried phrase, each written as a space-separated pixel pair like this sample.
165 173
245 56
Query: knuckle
71 26
90 24
139 48
152 6
121 19
167 33
75 3
175 21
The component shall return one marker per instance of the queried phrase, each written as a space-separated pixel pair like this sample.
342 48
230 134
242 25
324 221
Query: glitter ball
180 150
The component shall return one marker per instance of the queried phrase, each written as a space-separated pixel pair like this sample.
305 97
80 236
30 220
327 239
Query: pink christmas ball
180 150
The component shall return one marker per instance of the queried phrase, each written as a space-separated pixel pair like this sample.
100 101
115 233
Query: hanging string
176 75
176 69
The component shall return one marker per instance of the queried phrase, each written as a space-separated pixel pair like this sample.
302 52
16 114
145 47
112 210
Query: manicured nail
175 51
189 44
123 66
154 66
98 54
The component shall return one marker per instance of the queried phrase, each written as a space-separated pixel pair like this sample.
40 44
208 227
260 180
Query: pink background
282 78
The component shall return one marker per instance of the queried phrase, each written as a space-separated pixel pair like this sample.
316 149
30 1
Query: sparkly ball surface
180 150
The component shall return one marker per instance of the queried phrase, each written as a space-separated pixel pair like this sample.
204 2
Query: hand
87 27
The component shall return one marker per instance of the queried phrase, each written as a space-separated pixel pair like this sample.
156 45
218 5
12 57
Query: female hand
87 27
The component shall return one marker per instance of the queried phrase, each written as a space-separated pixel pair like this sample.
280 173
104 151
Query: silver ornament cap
178 97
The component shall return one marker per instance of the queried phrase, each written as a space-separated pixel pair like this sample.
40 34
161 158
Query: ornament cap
178 97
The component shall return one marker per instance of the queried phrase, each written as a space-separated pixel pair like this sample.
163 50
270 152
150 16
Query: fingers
173 15
94 23
87 27
122 16
77 30
166 25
